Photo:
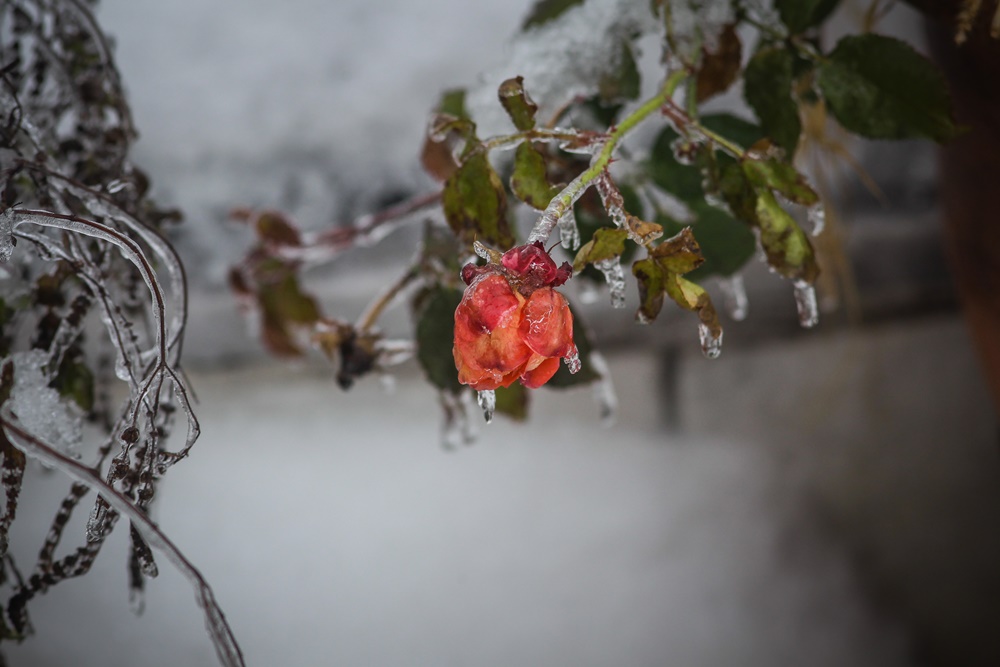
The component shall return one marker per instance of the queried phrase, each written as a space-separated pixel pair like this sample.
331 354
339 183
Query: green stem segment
563 201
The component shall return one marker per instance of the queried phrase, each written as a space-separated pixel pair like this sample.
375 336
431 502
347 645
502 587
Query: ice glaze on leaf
475 203
606 243
787 247
516 102
767 88
880 88
435 335
726 244
781 177
529 182
719 68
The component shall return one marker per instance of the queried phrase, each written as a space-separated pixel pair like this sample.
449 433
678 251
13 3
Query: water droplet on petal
805 302
711 345
572 362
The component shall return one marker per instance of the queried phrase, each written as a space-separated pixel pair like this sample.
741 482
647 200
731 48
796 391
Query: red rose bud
511 325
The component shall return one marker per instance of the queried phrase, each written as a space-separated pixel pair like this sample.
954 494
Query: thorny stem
375 309
226 647
565 199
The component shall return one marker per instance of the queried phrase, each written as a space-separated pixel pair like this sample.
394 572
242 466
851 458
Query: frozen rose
511 324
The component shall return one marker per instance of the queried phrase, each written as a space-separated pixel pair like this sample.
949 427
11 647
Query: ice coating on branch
561 59
39 407
805 302
569 232
612 200
6 235
734 295
487 400
711 344
615 276
817 218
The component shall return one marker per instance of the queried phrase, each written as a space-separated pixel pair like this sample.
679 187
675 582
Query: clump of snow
39 407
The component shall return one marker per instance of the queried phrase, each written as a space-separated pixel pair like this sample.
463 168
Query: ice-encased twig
226 646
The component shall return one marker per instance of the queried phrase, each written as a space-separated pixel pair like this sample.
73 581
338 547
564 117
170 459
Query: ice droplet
805 301
734 295
711 345
97 521
572 361
611 199
684 150
481 250
817 218
612 270
6 235
569 233
487 400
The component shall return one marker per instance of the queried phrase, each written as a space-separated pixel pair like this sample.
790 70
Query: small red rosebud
511 325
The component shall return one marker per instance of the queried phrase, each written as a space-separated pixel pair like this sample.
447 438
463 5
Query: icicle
97 521
711 345
487 400
604 389
817 217
805 301
612 270
569 233
572 362
734 294
6 235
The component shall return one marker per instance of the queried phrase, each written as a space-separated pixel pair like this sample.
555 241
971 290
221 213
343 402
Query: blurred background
822 497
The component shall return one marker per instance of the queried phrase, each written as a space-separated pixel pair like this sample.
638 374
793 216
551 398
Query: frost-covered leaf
530 182
475 203
512 401
516 102
720 67
787 247
435 336
544 11
783 178
607 242
767 88
880 88
799 15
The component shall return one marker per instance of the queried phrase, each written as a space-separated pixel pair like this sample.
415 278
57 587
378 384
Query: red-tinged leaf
719 68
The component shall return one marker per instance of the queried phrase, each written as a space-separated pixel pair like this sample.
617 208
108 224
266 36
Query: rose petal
488 348
541 374
547 324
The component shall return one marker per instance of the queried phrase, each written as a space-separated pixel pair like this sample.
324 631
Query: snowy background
821 498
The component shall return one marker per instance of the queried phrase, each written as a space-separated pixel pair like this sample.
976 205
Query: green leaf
284 306
681 180
719 68
516 102
781 177
734 128
435 336
529 182
453 103
726 244
622 80
679 254
767 88
738 193
512 401
606 243
798 15
650 278
880 88
787 247
544 11
475 203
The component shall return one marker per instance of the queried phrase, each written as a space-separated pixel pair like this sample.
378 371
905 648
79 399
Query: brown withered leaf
719 68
